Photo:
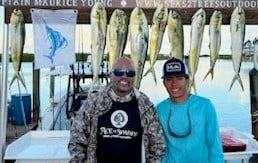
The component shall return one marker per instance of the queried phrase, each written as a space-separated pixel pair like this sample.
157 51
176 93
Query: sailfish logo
57 41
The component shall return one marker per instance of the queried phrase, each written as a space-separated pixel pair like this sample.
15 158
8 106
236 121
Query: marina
40 108
233 107
50 147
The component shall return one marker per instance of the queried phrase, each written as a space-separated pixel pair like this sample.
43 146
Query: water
233 107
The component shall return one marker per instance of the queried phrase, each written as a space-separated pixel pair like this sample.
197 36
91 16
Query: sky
250 34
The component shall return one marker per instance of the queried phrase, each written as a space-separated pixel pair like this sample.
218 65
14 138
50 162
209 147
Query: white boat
40 147
48 143
51 147
61 108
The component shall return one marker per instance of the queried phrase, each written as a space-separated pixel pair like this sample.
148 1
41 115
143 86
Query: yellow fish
118 27
237 29
139 35
98 19
17 39
197 28
215 40
159 22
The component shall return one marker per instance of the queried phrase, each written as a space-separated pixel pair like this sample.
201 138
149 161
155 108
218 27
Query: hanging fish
17 40
197 28
159 22
98 19
139 35
176 35
118 27
215 40
237 29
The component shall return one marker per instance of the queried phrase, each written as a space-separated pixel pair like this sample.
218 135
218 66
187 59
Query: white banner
54 37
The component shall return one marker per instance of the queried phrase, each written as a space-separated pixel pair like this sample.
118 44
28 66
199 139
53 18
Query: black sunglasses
121 72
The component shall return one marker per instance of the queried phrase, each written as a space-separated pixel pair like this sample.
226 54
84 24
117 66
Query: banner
133 3
54 37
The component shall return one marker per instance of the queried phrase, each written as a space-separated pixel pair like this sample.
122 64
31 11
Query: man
189 121
117 124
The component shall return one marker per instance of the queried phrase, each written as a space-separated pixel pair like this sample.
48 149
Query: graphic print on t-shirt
116 128
121 121
120 129
119 118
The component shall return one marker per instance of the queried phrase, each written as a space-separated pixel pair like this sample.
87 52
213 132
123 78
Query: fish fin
147 72
238 78
152 70
232 82
194 88
154 75
19 78
10 84
192 85
209 72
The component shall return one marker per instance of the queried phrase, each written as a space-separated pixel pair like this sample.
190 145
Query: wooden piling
36 94
253 77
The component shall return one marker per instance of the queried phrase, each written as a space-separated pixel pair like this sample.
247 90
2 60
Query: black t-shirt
120 134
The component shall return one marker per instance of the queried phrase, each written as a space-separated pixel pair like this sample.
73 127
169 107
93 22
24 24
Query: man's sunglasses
121 72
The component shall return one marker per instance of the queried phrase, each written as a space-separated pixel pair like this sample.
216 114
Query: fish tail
19 78
238 78
194 88
95 81
152 70
49 57
94 87
241 83
154 74
147 72
209 72
192 85
14 77
233 81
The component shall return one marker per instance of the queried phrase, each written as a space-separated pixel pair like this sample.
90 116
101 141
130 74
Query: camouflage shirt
83 142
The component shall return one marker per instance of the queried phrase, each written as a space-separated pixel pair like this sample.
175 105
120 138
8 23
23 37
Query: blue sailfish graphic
56 39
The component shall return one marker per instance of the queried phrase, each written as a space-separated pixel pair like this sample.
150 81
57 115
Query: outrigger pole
3 92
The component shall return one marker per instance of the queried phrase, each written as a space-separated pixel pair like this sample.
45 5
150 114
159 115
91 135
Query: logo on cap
173 67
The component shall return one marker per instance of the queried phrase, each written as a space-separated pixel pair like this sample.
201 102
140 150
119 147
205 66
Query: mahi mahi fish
197 28
118 27
98 37
215 40
139 35
237 29
175 35
17 38
159 22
